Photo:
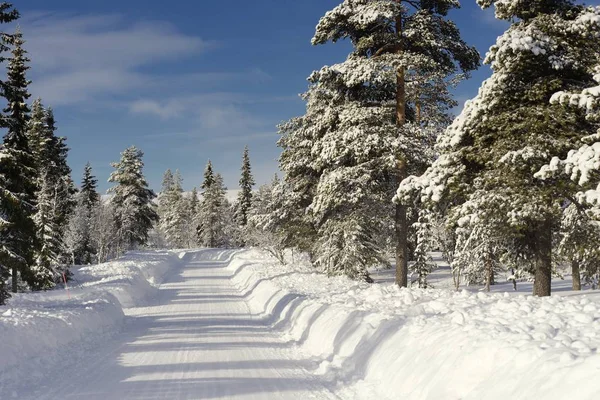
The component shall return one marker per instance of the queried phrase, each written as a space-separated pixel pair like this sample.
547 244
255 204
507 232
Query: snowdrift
37 328
379 341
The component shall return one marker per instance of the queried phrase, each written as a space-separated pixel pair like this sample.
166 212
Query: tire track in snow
199 341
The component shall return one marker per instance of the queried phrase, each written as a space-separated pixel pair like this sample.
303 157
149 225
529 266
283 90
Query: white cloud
77 58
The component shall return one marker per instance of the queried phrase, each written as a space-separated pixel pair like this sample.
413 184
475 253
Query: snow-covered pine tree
77 237
55 194
77 240
244 200
213 212
365 127
510 130
89 200
193 207
262 230
132 200
89 189
173 210
104 232
17 166
579 237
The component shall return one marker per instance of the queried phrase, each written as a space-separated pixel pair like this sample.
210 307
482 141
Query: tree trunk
401 246
489 273
401 223
543 262
576 275
15 279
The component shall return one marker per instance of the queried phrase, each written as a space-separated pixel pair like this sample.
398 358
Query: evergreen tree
17 168
55 194
132 200
173 210
89 189
78 240
244 201
192 209
263 229
492 151
365 128
8 201
214 210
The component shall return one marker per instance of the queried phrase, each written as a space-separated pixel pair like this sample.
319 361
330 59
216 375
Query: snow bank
133 278
37 327
379 341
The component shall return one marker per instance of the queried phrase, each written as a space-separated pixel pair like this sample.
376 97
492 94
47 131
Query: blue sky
186 81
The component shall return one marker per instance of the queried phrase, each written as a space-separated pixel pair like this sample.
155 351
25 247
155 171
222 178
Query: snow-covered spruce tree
89 189
366 124
423 264
77 238
579 237
261 230
104 232
89 199
173 210
17 169
213 213
132 205
510 130
244 200
8 200
192 209
77 235
54 197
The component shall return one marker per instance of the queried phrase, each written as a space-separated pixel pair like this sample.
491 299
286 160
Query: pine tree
366 127
193 207
8 201
17 169
132 200
263 229
173 210
89 189
78 240
490 154
244 201
55 194
213 213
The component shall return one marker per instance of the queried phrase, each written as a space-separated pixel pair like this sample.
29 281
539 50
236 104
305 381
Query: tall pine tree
134 211
17 169
369 122
9 160
244 200
213 210
491 153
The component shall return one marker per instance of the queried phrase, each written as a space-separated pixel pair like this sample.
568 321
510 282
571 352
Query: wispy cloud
79 58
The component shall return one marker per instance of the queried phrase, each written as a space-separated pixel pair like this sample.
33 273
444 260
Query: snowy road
199 341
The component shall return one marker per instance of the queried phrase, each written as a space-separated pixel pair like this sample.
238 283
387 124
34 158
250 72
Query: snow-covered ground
238 325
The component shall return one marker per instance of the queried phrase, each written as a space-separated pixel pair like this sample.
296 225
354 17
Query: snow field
38 329
379 341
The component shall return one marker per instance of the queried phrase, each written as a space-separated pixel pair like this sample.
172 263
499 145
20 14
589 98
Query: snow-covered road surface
198 341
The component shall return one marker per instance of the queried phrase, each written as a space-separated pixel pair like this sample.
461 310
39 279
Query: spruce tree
89 189
17 169
134 212
55 194
192 218
172 210
8 200
490 154
244 200
88 199
213 210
